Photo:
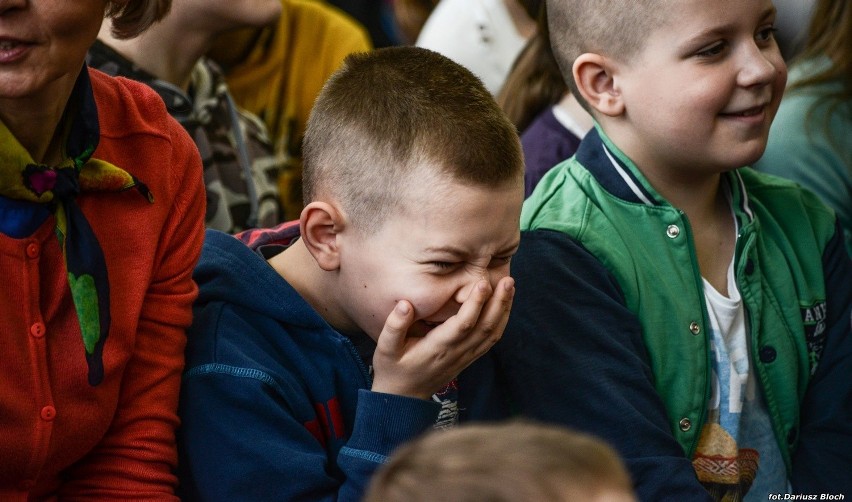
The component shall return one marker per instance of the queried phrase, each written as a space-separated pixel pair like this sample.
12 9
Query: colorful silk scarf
58 187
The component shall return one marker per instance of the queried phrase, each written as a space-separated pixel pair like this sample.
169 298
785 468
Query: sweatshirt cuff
385 421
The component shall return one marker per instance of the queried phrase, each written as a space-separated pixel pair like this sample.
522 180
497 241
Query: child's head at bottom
503 463
413 182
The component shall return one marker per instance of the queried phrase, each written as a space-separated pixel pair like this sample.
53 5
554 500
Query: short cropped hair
500 462
132 17
613 28
388 114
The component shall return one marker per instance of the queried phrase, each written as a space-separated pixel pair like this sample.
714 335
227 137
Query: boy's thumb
398 321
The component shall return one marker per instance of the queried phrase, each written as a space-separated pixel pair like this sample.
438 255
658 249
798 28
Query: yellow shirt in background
278 71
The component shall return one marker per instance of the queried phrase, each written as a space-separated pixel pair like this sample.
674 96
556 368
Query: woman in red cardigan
101 223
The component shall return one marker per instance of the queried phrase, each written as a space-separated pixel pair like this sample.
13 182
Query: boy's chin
745 157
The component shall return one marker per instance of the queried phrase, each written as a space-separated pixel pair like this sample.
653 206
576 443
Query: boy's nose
760 66
473 277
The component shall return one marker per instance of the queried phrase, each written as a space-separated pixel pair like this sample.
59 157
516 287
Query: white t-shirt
737 452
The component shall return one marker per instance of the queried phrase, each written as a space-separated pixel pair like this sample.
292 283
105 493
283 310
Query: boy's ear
594 76
321 223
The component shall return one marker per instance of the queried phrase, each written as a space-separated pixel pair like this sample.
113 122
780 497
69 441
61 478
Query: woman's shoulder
138 134
127 107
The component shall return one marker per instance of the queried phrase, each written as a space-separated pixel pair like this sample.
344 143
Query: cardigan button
673 231
685 424
768 354
694 328
48 413
33 250
37 330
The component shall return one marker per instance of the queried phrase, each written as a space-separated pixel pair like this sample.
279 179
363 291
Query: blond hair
502 462
830 34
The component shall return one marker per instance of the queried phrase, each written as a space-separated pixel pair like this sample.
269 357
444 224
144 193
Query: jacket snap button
685 424
768 354
695 328
672 231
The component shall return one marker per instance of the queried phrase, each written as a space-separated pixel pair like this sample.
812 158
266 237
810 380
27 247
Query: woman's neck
155 51
35 120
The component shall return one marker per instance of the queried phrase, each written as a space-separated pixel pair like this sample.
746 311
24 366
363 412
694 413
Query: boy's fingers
495 314
491 321
396 325
466 317
489 324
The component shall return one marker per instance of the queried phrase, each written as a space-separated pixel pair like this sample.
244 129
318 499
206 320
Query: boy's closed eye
499 261
448 266
448 259
444 265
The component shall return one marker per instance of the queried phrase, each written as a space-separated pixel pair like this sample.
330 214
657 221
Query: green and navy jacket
609 331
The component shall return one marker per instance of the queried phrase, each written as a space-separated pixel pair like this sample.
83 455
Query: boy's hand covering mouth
420 366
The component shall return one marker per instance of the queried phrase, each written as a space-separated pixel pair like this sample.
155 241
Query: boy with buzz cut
310 360
691 311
